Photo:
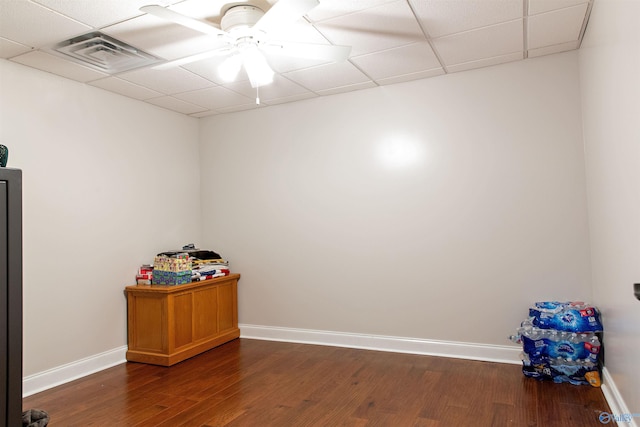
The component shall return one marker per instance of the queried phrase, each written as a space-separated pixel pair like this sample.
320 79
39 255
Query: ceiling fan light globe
257 68
230 67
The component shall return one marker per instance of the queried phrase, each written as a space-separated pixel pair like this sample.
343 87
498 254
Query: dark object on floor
35 418
4 155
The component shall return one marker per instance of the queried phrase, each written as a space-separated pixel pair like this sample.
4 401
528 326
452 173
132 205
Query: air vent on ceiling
103 53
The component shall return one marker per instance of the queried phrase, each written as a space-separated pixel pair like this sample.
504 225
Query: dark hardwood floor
262 383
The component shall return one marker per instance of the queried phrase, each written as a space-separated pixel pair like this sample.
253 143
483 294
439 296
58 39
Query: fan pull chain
257 95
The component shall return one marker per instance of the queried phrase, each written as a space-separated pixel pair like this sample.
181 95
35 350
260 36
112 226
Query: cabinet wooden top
176 288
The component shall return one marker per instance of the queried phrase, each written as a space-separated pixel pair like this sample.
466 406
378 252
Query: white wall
609 76
108 182
437 209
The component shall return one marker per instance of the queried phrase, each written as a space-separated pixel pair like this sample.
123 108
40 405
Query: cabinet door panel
183 327
147 332
204 313
225 307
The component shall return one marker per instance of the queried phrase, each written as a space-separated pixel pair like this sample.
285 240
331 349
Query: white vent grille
104 53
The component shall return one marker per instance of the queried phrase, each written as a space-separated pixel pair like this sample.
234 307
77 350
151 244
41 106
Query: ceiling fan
245 30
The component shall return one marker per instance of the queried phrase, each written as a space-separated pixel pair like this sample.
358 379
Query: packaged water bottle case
561 341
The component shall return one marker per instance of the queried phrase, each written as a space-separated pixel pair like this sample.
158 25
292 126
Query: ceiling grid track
584 23
525 28
428 38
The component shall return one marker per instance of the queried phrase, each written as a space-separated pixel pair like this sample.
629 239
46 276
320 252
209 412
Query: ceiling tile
174 104
486 62
440 18
559 26
207 68
541 6
556 48
206 113
100 13
487 42
348 88
243 107
383 27
332 8
173 80
411 76
283 64
53 64
9 48
292 98
280 88
36 26
398 61
215 97
328 76
125 88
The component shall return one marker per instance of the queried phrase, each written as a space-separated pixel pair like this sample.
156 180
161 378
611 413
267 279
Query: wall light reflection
400 152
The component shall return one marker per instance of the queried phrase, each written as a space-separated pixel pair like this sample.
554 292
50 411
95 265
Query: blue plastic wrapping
566 316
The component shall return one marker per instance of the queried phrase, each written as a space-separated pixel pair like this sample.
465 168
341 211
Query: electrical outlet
636 290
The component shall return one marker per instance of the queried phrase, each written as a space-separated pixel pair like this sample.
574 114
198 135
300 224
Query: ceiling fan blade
284 12
193 58
185 21
325 52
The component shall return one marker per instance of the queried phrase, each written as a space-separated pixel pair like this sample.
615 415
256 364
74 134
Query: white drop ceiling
392 41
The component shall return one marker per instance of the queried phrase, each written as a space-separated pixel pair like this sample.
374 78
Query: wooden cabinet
168 324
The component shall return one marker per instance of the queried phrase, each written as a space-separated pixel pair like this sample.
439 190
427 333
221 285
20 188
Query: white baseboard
460 350
619 409
71 371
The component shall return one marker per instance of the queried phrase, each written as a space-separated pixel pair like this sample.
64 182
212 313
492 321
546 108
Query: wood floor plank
250 382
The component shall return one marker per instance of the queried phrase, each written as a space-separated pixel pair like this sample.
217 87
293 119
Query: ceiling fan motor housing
240 17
